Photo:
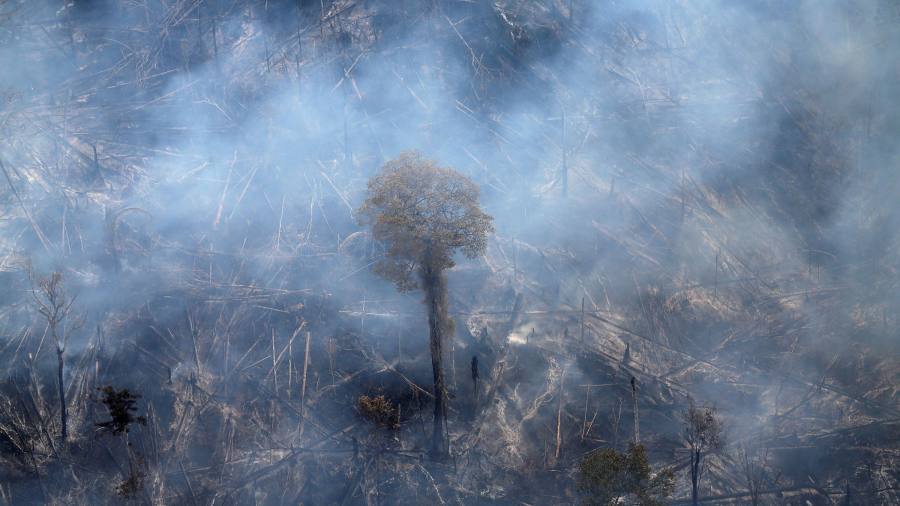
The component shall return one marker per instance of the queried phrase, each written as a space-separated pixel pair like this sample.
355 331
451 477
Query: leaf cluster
121 406
607 476
703 429
378 410
423 213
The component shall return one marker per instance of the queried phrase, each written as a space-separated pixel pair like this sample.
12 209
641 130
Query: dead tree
475 380
703 433
634 403
753 462
111 235
55 306
423 213
565 162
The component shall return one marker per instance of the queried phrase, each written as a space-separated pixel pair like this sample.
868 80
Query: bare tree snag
475 380
34 225
716 279
637 422
55 306
559 402
582 320
303 387
565 161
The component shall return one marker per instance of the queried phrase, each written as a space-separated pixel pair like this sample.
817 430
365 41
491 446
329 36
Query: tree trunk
565 162
63 415
695 477
475 375
634 403
434 284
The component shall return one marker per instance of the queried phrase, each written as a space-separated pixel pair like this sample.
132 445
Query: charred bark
63 413
695 477
434 283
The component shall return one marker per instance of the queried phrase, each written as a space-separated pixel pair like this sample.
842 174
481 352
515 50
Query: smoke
627 150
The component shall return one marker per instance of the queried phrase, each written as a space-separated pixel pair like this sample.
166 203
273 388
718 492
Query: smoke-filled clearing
694 210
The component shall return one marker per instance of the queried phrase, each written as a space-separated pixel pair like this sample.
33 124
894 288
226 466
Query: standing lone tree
703 433
424 213
55 306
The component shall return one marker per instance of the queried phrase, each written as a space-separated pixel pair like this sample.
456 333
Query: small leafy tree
703 433
424 213
55 306
121 407
378 410
607 476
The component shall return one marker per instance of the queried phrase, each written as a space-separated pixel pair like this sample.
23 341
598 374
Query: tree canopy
703 430
423 213
606 476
